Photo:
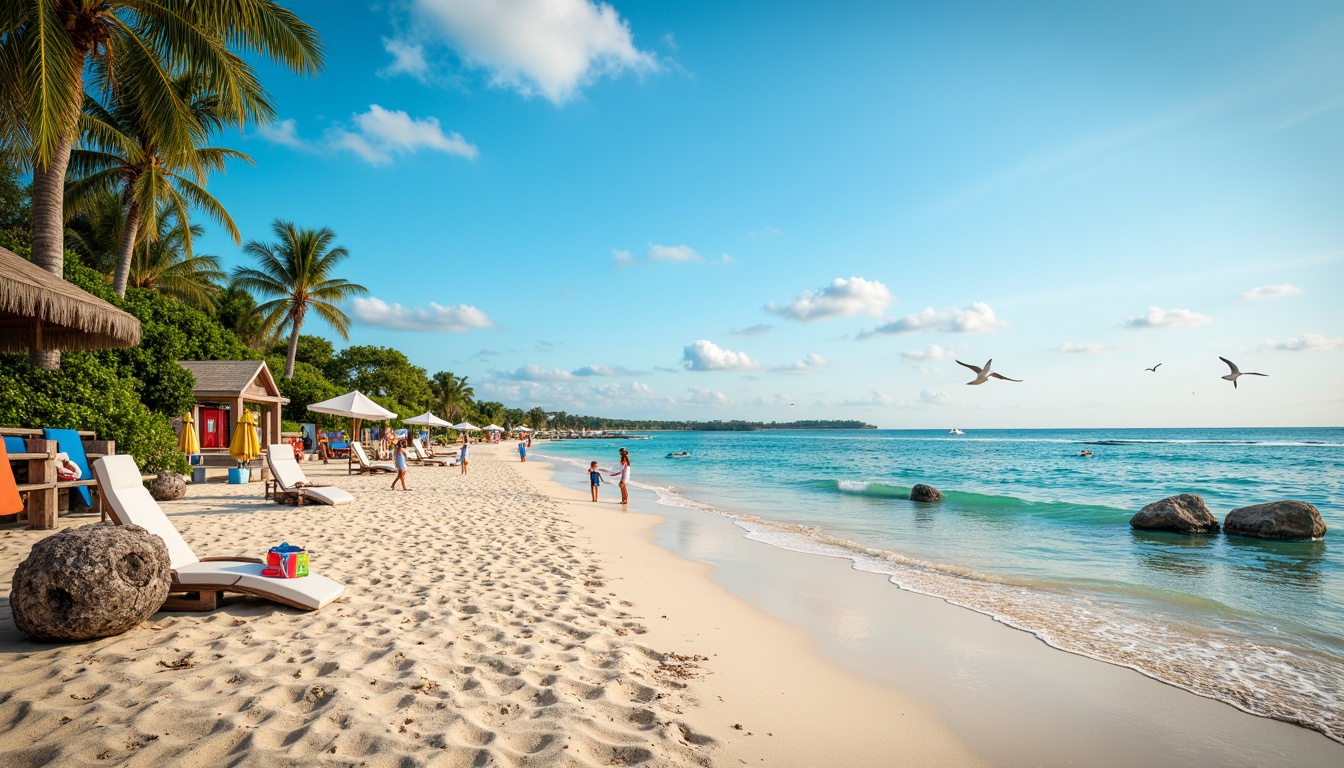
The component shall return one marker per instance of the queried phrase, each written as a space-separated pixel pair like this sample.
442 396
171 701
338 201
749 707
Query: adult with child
623 475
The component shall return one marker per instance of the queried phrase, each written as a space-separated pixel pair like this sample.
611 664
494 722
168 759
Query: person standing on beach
594 478
463 455
322 443
522 451
624 475
399 458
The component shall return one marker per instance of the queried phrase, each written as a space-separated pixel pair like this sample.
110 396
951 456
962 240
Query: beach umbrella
522 429
188 441
244 446
427 419
355 406
466 426
493 428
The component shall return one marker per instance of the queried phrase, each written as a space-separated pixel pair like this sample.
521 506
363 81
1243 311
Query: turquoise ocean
1038 537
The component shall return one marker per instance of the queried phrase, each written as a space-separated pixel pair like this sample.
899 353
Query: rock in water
93 581
1276 520
168 486
923 492
1185 513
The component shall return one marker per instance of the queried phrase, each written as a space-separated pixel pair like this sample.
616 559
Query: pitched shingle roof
223 375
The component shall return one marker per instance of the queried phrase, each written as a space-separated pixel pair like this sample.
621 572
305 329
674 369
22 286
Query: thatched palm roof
40 310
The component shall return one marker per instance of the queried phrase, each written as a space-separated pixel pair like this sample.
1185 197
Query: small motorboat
955 431
679 455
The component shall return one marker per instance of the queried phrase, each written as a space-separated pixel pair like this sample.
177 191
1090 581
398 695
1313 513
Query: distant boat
955 431
679 455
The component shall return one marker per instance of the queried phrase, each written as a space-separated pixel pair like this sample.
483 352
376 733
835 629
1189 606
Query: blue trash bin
239 475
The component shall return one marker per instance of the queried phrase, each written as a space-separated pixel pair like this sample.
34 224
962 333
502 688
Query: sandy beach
488 620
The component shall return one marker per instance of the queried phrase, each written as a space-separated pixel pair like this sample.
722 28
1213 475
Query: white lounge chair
289 479
129 503
418 453
359 461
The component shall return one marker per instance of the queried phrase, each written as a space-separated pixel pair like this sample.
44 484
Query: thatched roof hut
39 310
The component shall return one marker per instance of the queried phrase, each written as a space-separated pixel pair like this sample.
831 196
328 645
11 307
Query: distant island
717 426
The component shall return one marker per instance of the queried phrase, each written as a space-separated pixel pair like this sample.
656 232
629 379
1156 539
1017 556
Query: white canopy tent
355 406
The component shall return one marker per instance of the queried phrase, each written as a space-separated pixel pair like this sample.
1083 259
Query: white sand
493 619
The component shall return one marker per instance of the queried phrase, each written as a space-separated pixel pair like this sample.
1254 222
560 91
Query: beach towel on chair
10 503
68 442
15 444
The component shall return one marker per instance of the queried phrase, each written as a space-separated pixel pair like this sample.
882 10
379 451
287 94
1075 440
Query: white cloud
383 133
707 356
755 330
875 398
1271 292
537 373
672 253
842 298
435 317
934 397
1090 348
934 352
1167 318
1307 342
407 58
977 318
623 258
808 365
603 370
704 396
548 47
285 133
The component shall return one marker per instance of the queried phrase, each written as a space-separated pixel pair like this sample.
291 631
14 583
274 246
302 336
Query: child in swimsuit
400 458
594 478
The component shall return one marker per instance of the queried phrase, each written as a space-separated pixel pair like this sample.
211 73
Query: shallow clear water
1035 535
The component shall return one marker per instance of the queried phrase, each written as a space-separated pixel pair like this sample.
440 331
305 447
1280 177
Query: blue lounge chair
68 442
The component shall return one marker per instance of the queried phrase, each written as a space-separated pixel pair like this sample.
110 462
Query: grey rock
1185 513
1276 520
92 581
168 486
923 492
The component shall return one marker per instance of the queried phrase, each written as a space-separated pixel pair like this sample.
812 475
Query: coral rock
1185 513
168 486
923 492
1276 520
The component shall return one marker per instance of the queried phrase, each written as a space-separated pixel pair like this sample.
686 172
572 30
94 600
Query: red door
214 428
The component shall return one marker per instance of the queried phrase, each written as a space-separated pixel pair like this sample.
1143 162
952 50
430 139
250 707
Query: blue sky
778 210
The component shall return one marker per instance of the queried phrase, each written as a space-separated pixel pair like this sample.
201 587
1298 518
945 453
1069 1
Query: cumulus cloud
407 59
1090 348
1167 318
1307 342
707 356
603 370
435 317
1270 292
705 396
754 330
934 352
842 298
934 397
551 48
285 133
808 365
666 253
977 318
381 133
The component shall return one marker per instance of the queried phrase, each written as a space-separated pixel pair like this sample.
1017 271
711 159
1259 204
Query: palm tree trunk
127 249
293 346
48 232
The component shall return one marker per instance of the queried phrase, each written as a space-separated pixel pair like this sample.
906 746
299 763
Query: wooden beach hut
223 390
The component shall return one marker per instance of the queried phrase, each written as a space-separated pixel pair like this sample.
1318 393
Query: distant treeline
717 426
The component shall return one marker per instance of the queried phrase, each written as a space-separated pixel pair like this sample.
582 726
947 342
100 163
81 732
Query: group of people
622 472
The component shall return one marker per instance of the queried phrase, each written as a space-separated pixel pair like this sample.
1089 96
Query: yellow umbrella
188 441
244 447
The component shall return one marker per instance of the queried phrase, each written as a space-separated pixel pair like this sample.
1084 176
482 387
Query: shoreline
738 554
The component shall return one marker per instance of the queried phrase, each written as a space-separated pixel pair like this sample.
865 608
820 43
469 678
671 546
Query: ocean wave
978 501
1267 443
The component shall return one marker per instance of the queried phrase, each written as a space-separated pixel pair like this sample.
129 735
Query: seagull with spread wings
983 374
1154 368
1237 372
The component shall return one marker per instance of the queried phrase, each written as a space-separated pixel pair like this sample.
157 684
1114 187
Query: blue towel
15 444
68 442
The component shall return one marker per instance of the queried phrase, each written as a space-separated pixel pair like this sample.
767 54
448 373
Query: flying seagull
1237 372
983 374
1154 368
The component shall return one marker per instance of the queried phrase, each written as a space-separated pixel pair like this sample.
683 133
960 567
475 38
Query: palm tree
125 154
297 272
538 418
166 264
451 393
134 47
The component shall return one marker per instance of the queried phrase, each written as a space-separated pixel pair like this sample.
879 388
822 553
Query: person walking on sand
399 459
594 478
463 455
623 475
322 443
522 451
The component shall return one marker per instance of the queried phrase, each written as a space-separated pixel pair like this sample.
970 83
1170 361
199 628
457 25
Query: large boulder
923 492
93 581
1185 513
168 486
1276 520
